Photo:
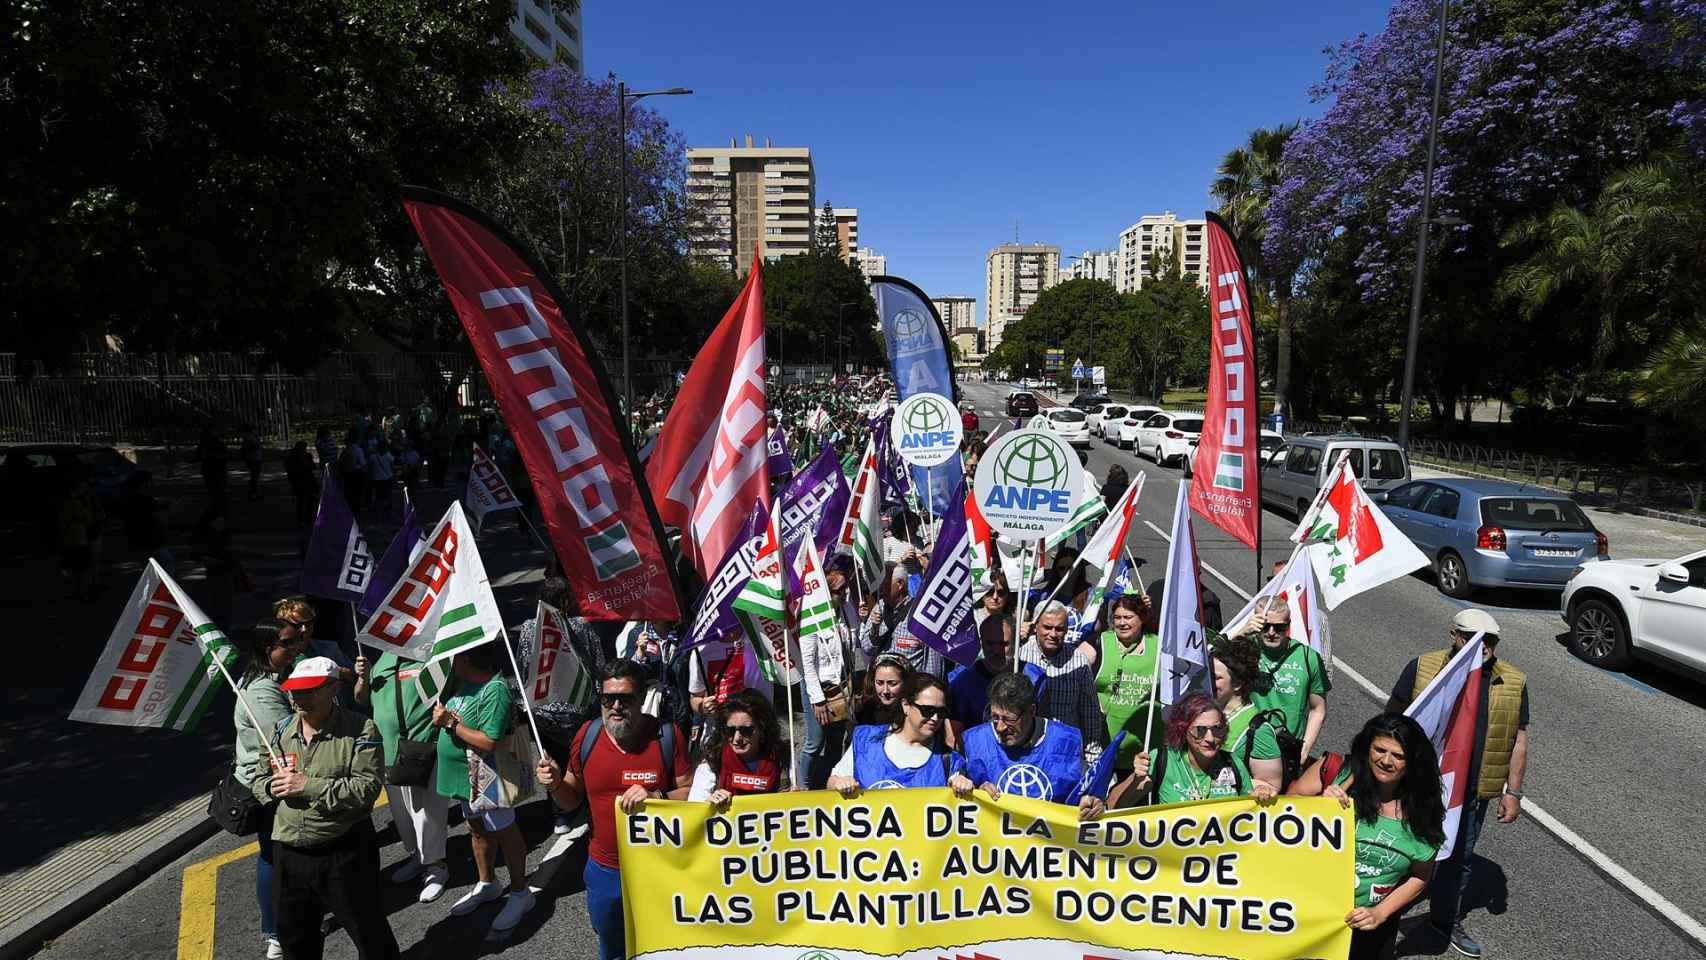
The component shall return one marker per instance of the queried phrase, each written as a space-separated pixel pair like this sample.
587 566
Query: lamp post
840 315
623 95
1408 392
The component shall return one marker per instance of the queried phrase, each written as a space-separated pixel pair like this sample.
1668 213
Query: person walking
471 723
420 813
271 650
744 753
968 687
325 855
1297 680
215 469
1020 753
826 686
304 482
1251 734
1497 766
1125 679
622 757
1192 763
1070 694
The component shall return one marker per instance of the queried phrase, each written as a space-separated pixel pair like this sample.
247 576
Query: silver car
1292 474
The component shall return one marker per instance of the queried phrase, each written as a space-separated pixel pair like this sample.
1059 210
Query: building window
772 231
772 189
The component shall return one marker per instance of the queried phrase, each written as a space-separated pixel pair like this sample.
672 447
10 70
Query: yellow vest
1504 709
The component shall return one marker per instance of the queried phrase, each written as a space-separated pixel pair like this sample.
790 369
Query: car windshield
1193 425
1066 416
1534 513
1270 444
1020 396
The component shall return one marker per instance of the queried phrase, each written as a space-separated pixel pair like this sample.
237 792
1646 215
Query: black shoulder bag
415 758
233 806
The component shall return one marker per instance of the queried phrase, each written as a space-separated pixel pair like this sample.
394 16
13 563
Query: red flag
558 404
709 462
1223 477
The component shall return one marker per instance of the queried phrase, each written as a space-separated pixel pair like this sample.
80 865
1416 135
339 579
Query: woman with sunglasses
1192 763
743 755
272 649
903 754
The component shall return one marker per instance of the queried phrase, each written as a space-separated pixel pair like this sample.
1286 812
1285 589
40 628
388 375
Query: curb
30 932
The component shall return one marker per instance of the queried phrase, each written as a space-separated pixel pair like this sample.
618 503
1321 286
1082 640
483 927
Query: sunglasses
930 711
1202 730
1276 627
739 730
612 699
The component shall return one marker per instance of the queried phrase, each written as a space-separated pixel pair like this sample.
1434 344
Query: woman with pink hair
1193 763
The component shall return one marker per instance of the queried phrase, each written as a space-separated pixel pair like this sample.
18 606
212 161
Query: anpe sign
1028 484
926 429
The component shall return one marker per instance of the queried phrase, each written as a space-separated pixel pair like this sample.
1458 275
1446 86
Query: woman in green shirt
1392 776
1193 764
390 689
1126 677
1237 672
271 650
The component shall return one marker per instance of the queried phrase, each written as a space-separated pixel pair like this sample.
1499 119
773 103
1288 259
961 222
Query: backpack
677 699
1159 768
1290 745
666 745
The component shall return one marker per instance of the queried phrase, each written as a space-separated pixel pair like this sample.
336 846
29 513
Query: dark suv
1085 401
1021 404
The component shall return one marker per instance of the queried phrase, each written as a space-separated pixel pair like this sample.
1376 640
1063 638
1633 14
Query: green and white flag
1091 508
817 612
861 530
158 668
763 595
554 670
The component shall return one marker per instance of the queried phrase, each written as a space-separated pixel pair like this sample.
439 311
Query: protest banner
918 874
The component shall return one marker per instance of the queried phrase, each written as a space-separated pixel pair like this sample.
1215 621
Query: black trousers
1374 944
341 878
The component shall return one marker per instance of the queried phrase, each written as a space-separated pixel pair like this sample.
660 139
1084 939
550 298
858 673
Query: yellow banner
920 874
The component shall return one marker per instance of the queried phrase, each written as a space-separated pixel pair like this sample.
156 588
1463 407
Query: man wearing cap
325 858
1496 767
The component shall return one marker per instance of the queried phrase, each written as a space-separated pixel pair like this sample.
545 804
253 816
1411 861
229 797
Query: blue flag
338 565
891 469
918 357
716 618
1100 775
394 563
943 617
814 503
777 448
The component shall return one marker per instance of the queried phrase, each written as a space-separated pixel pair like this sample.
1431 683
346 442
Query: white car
1070 425
1618 609
1124 433
1266 443
1100 414
1167 437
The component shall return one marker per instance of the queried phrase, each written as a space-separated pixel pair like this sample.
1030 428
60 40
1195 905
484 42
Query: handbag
836 702
503 778
415 758
233 806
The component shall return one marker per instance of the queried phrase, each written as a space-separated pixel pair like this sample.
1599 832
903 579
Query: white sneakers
516 906
437 877
274 951
482 894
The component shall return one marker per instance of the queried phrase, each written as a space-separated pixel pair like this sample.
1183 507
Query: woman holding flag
272 650
903 754
1193 763
1125 678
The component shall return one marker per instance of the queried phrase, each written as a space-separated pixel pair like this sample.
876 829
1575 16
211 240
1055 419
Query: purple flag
394 563
338 565
942 617
716 617
894 479
814 502
780 462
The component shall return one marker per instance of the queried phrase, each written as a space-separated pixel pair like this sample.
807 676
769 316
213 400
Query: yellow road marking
197 903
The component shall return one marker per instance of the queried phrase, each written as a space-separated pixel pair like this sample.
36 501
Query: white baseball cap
1475 620
311 672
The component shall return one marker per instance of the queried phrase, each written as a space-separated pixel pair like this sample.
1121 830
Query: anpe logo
909 323
926 430
1028 484
926 416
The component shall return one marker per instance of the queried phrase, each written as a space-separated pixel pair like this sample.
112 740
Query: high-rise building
870 263
1091 265
549 31
846 231
959 319
744 197
1015 275
1184 241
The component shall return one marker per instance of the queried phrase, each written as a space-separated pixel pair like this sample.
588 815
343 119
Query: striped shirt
1070 694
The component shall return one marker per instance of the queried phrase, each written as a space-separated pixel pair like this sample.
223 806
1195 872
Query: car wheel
1597 634
1452 576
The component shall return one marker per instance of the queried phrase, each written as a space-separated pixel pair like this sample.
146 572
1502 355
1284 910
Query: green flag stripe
202 705
467 638
460 613
188 694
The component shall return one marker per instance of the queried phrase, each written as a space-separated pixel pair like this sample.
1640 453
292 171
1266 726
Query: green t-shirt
1386 849
1297 673
1181 780
1264 744
390 676
485 708
1123 683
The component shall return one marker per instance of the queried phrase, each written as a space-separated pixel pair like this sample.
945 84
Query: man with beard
624 757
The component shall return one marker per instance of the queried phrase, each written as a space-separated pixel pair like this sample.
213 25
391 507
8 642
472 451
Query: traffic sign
775 371
1099 376
1078 369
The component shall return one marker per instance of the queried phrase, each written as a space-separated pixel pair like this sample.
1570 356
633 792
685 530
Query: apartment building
1015 275
870 263
1091 265
1184 241
959 319
549 31
745 197
846 232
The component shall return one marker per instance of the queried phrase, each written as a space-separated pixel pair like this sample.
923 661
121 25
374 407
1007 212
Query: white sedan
1070 425
1167 437
1618 609
1103 415
1124 432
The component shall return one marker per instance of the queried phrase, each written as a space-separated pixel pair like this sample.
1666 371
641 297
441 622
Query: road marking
1655 901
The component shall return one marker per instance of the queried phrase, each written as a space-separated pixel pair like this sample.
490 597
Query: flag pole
526 697
543 545
788 695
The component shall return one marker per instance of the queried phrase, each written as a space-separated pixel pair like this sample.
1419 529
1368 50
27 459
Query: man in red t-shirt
624 766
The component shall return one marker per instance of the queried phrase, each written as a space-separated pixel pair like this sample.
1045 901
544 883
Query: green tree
1244 184
809 300
824 238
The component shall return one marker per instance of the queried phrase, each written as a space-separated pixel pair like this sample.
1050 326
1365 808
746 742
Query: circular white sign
1028 483
926 429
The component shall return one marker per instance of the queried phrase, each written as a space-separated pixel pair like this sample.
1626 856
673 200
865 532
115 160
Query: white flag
158 667
555 671
487 488
1183 650
1296 583
1350 541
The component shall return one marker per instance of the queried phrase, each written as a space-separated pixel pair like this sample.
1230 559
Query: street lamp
1422 243
840 314
623 95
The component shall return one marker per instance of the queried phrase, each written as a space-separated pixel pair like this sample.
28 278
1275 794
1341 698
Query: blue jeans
263 875
604 907
1451 877
822 747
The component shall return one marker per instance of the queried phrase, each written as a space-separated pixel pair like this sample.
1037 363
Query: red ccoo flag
555 398
1224 478
709 461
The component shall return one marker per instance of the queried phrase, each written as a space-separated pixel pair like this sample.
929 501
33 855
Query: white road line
1656 901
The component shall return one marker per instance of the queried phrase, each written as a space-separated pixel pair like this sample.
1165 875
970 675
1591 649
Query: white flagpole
526 697
249 711
788 694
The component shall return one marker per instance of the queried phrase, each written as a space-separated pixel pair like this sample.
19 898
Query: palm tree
1245 182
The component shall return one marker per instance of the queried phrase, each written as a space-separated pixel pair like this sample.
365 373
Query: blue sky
945 123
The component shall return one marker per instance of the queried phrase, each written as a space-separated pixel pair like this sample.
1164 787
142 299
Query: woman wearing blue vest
905 753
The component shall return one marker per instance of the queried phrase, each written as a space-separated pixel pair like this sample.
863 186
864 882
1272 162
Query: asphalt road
1614 757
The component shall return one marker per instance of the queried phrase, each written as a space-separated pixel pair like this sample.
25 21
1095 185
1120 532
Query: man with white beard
622 756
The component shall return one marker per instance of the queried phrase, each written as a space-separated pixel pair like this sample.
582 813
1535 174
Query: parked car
1654 609
1166 437
1085 401
1021 403
1070 425
1490 533
1295 471
1099 416
1125 431
1266 443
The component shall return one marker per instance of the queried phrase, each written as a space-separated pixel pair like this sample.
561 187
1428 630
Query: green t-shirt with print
485 708
1297 672
1264 744
1386 850
392 676
1123 682
1181 780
